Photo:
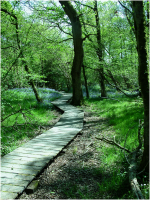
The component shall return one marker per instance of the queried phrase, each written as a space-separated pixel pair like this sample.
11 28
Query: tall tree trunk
99 51
138 16
78 52
85 80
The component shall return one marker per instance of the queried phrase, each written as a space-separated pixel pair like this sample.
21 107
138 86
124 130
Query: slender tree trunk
138 16
85 80
113 79
126 80
78 52
99 51
31 82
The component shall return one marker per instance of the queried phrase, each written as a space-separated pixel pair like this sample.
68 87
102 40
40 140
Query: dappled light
75 99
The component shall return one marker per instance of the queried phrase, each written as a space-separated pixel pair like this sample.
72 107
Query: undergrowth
119 118
22 115
122 115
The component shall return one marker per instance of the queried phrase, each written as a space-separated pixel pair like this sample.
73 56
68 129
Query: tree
85 81
78 52
15 23
115 56
99 51
138 16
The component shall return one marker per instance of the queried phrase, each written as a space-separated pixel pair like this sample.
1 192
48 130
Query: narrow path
21 166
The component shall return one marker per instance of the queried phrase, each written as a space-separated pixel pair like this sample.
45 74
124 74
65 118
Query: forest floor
78 171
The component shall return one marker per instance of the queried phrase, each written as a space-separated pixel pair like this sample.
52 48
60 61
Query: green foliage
48 52
19 127
50 60
37 41
118 43
123 114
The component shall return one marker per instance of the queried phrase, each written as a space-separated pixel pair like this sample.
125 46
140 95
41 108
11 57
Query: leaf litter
76 173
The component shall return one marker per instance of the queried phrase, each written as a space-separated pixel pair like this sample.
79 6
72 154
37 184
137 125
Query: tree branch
9 13
86 5
13 113
90 25
9 47
16 24
125 7
113 143
12 65
87 36
66 40
63 30
115 86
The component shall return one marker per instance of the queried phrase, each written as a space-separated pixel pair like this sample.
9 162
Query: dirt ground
75 173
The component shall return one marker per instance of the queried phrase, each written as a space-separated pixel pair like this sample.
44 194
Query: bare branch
115 86
85 5
13 113
90 25
66 40
113 143
87 36
63 30
44 8
125 7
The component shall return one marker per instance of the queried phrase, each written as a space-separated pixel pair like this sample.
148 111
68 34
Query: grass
22 126
119 117
122 115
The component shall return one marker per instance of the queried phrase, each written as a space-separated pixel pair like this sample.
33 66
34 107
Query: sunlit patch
19 127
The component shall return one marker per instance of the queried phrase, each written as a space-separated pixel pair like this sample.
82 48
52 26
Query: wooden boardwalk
21 166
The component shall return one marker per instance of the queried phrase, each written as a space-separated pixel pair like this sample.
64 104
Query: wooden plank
12 188
33 153
45 159
12 165
16 182
30 171
62 135
46 142
40 145
25 162
26 156
32 187
23 177
8 195
37 149
21 166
